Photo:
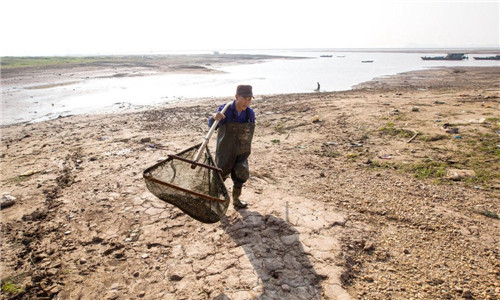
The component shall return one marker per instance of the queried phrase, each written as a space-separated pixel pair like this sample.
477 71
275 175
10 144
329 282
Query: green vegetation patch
11 289
330 153
9 62
426 169
391 130
26 62
18 179
421 170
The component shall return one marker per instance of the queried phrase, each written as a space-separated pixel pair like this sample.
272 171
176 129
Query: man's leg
236 195
239 175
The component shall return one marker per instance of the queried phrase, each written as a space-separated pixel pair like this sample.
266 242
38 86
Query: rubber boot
237 203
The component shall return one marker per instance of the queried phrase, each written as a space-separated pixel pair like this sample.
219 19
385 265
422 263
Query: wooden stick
413 137
212 129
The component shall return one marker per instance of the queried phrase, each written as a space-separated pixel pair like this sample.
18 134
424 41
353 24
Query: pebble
7 200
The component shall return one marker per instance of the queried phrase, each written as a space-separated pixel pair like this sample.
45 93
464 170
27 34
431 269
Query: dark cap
244 90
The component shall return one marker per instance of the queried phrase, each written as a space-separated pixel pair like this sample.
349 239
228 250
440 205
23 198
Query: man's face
242 102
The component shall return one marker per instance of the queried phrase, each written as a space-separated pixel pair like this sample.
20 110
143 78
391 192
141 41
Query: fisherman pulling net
198 188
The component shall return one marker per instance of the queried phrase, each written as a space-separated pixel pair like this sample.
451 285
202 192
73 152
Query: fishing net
199 192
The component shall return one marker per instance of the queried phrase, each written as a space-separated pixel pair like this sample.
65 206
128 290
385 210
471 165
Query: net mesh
199 192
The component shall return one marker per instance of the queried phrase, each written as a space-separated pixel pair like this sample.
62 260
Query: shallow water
339 72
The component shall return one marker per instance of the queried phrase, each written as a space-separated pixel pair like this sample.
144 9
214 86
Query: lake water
339 72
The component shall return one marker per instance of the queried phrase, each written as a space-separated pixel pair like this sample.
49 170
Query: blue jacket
246 116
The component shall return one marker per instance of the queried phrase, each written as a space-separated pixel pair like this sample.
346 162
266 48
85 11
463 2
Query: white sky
65 27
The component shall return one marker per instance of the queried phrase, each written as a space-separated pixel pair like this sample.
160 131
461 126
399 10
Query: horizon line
318 49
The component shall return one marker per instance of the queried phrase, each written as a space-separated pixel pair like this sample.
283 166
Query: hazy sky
62 27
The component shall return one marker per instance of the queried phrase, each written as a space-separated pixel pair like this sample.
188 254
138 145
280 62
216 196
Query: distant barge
496 57
450 56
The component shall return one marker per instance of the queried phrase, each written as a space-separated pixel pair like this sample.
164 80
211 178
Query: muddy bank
39 72
349 194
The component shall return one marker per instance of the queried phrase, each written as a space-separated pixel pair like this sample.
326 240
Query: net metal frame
197 188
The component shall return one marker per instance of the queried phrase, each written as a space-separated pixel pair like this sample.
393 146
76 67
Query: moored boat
496 57
449 56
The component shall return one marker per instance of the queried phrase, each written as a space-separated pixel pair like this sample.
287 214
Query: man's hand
219 116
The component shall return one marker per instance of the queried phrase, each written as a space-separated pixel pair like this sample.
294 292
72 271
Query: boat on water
496 57
325 55
367 61
449 56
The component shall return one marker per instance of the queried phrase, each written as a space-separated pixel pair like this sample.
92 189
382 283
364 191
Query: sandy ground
349 198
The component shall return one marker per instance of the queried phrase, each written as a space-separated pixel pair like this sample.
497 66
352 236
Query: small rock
452 130
369 247
145 255
67 232
316 119
7 201
83 261
285 287
467 294
97 240
456 174
37 277
142 294
176 278
53 289
52 272
146 140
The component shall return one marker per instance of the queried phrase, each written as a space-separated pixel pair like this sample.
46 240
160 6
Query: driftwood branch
413 137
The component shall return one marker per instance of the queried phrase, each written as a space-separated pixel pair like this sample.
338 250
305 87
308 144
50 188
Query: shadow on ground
275 251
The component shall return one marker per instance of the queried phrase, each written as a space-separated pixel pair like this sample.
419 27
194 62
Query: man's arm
217 116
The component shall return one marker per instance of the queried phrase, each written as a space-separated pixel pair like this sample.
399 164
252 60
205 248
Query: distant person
317 89
234 140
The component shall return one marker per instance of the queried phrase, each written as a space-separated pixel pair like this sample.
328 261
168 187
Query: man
234 140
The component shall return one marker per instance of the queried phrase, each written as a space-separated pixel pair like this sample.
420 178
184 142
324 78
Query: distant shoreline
470 50
39 74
